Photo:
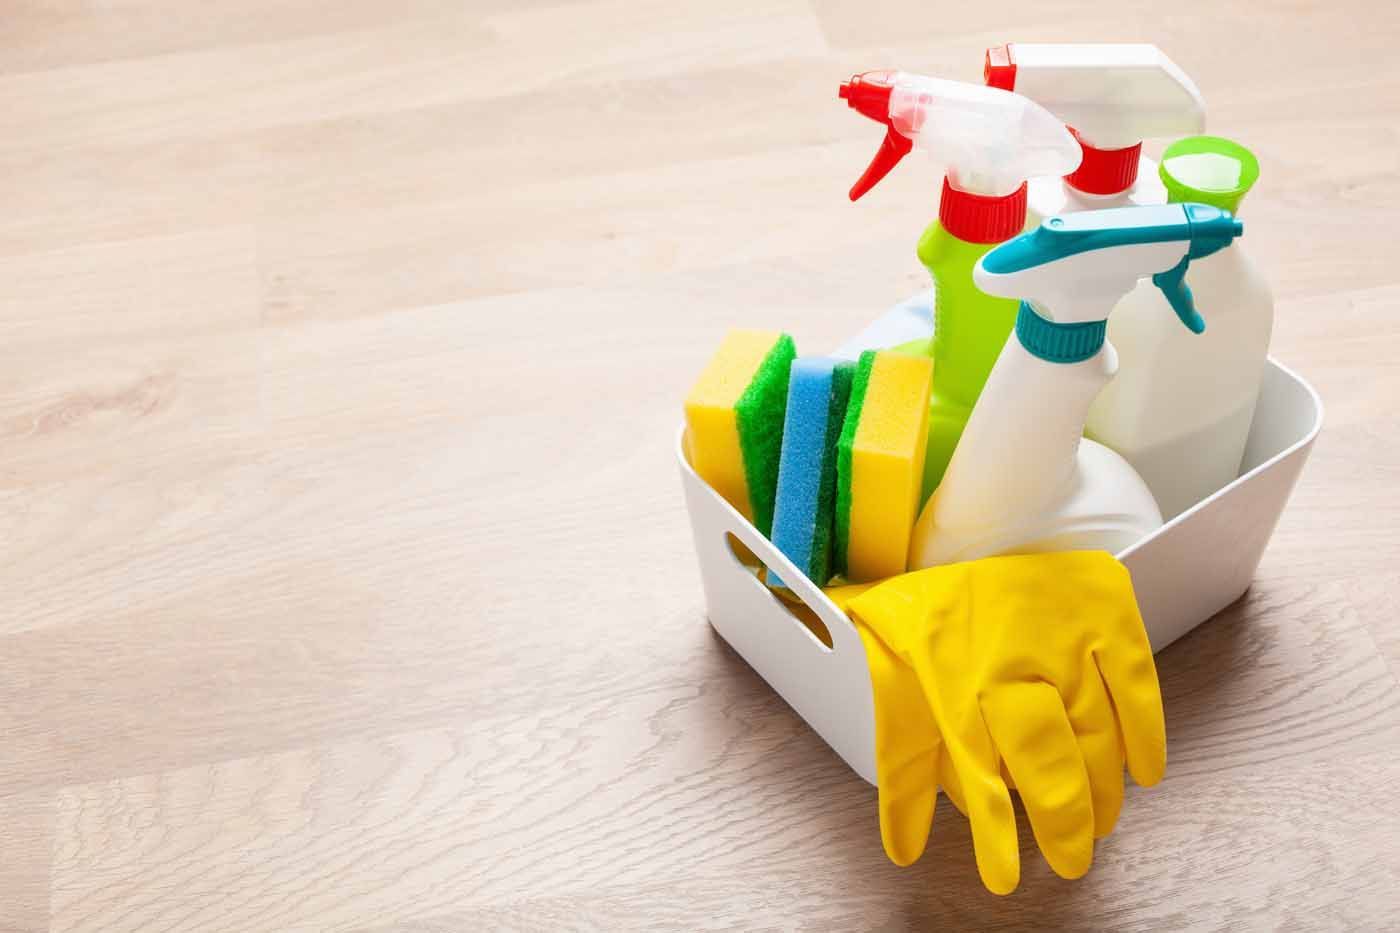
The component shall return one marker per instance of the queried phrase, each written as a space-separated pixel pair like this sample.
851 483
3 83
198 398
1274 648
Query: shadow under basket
1183 573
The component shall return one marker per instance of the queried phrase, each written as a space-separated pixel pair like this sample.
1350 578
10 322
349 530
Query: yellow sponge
734 420
880 464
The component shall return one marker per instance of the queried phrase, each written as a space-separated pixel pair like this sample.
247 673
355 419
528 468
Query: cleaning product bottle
1023 480
1112 96
990 142
1180 409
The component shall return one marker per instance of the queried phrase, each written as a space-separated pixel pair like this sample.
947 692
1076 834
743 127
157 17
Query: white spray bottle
1181 408
1112 96
1023 480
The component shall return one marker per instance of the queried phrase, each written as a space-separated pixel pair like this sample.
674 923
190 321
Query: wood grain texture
347 582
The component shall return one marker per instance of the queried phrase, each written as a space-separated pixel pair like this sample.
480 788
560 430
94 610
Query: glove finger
1124 660
994 839
987 803
1032 732
1096 729
908 795
1131 678
907 752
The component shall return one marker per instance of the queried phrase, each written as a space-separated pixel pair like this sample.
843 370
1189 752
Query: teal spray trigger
1178 294
1216 232
1073 269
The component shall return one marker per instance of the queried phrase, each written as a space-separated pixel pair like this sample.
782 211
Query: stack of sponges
805 515
880 464
734 420
835 449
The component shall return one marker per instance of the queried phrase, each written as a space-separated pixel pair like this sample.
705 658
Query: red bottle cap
1000 68
977 218
1104 171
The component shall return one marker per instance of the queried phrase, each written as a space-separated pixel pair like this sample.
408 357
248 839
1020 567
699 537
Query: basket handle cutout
790 603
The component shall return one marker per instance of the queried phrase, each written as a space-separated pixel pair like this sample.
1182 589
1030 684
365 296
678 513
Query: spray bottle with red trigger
1112 96
989 141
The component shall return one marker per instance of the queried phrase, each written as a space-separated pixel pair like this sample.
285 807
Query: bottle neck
979 218
1104 171
1058 343
970 326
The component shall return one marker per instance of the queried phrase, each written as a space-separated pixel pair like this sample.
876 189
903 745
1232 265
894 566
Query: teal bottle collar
1058 343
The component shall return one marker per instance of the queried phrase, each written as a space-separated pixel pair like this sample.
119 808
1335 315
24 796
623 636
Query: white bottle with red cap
1112 96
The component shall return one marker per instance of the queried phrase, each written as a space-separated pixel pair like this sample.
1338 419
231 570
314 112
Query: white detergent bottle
1180 409
1112 96
1023 480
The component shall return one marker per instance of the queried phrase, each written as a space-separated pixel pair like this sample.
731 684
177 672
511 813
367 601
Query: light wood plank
26 843
346 581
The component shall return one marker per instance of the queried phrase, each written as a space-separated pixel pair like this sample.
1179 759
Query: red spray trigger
869 94
892 149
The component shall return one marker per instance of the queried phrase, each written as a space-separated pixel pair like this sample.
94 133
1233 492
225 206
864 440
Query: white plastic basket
1183 573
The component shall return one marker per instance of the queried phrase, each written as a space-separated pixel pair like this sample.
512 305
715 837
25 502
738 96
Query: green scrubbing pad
860 380
734 420
760 413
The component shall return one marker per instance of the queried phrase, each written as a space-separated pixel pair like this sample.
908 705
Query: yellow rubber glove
911 761
1039 663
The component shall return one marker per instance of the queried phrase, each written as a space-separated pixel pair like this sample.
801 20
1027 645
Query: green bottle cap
1209 169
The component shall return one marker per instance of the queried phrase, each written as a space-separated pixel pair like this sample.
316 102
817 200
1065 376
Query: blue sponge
804 512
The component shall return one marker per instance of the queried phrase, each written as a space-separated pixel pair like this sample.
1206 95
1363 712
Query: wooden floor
346 581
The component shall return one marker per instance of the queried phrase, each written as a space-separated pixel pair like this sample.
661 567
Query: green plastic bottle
990 142
970 328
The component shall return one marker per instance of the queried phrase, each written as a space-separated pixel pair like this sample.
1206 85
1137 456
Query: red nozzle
999 70
869 94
